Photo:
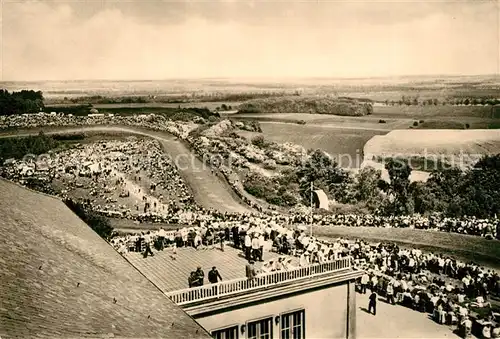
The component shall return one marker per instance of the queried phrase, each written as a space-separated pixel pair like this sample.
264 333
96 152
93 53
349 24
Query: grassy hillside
299 104
465 247
346 145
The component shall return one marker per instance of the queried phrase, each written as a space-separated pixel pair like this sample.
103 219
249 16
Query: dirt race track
208 189
213 192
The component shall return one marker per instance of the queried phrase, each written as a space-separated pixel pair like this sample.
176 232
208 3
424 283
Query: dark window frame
291 325
236 327
268 318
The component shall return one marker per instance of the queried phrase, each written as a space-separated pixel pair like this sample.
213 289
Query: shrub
19 147
301 122
97 222
467 126
421 121
270 165
415 123
269 190
381 121
259 141
69 137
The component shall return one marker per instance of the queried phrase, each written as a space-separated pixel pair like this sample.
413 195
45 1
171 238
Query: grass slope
465 247
345 144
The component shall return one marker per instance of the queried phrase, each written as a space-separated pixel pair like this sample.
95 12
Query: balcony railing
235 286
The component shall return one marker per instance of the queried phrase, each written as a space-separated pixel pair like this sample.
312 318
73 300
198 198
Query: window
293 325
260 329
226 333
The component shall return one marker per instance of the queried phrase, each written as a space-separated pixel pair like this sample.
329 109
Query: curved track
209 190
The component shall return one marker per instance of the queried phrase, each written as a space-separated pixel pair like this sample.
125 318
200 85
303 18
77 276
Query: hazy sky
101 39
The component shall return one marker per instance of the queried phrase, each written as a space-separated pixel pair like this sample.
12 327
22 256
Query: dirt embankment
427 150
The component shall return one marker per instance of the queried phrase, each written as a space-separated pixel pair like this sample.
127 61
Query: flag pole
311 198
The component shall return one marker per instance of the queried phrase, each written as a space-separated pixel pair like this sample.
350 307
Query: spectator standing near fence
214 276
200 276
250 270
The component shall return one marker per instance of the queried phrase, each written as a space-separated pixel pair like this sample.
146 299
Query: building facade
311 302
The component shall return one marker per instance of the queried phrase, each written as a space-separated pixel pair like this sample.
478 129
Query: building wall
325 313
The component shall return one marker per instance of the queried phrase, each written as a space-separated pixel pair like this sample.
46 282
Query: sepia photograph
250 169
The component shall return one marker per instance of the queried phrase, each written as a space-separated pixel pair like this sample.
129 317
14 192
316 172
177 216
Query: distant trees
25 101
367 185
19 147
399 174
415 101
303 104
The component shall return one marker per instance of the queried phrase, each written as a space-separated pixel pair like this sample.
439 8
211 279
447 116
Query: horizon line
261 78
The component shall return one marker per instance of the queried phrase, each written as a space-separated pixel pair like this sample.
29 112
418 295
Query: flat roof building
315 301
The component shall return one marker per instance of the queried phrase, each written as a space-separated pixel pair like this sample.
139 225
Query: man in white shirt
262 242
248 246
364 281
161 238
255 248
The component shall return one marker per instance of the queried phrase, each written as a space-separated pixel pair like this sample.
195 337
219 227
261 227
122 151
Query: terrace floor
170 274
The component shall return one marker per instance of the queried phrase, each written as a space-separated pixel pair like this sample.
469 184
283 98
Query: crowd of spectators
452 291
117 178
202 146
465 225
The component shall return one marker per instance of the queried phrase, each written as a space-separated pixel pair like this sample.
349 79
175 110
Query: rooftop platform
171 275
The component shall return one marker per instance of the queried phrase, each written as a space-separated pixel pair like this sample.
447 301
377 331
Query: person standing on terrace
200 275
364 281
248 246
214 276
250 270
255 247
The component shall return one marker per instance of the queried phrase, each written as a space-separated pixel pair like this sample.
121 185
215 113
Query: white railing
225 288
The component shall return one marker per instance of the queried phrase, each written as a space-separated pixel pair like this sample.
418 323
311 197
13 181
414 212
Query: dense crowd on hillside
466 225
139 171
117 178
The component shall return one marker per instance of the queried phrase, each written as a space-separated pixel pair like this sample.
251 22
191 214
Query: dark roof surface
59 279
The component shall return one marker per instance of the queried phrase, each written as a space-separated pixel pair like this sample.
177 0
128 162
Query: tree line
25 101
448 191
417 101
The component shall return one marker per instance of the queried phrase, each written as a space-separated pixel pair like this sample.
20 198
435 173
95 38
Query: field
433 111
344 143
